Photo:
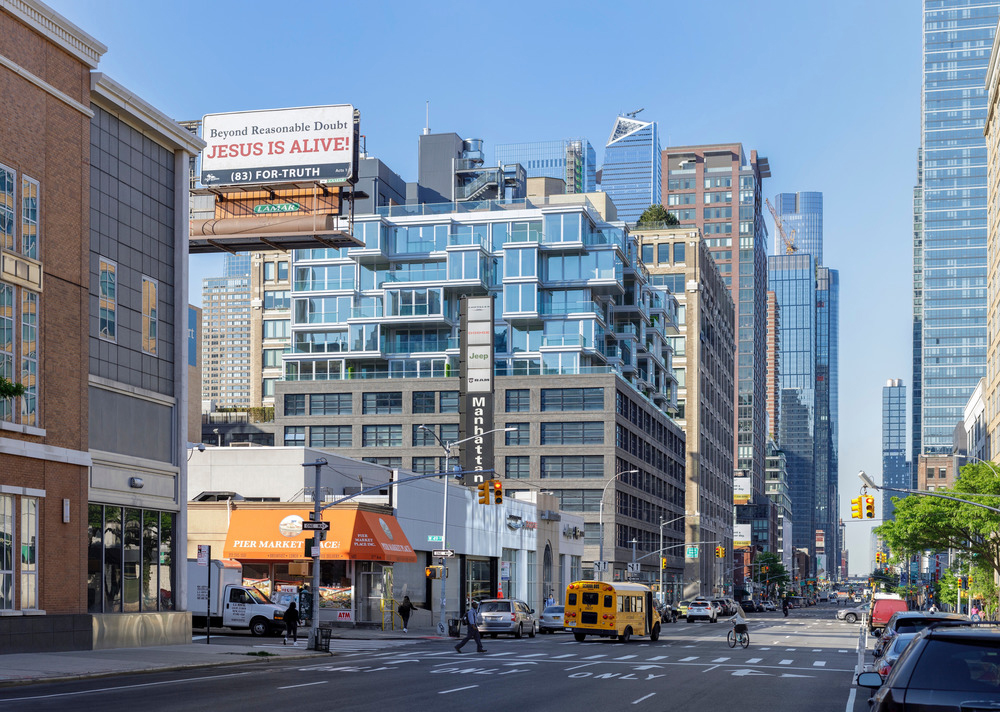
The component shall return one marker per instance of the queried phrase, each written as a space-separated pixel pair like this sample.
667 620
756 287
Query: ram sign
313 143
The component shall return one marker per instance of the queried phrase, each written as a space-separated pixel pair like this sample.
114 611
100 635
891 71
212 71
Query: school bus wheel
579 636
654 634
626 634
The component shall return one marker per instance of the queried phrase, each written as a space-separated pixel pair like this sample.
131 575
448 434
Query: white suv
702 609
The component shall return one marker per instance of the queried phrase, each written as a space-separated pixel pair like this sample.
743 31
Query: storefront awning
277 534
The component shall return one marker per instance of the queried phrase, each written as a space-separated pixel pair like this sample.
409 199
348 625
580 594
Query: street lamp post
600 516
663 523
442 625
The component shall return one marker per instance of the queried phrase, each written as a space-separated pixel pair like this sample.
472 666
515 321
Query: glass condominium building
632 172
572 160
950 270
803 213
895 468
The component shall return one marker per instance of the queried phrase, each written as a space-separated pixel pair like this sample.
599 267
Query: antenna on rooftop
427 120
632 114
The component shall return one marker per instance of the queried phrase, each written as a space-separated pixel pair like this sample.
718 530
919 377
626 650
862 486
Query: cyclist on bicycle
738 620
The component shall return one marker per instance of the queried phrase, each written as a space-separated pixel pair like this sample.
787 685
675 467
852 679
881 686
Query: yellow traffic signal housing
497 491
720 552
484 492
856 508
869 507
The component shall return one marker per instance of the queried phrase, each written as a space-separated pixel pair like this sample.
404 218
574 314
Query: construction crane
633 114
787 238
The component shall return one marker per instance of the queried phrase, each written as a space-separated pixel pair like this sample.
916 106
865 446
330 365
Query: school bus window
608 601
589 598
571 599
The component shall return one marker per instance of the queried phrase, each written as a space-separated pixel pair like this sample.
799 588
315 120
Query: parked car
949 666
682 608
506 615
884 662
724 607
766 605
551 620
852 614
911 622
701 609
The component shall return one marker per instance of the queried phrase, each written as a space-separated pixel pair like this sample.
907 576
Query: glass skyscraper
949 355
895 469
572 160
631 173
803 213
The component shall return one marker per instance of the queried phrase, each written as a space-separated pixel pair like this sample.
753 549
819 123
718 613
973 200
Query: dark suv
948 666
911 622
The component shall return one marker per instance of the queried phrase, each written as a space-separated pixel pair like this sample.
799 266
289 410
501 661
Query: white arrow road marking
745 671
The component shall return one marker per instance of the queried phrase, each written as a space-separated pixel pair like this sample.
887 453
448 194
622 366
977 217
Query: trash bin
323 636
454 627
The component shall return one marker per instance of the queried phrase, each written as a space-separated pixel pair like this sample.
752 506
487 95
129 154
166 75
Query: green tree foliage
935 524
776 576
9 389
657 215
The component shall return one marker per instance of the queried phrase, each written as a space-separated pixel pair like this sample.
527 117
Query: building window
579 500
295 436
29 358
6 549
517 467
6 344
449 402
272 358
448 432
573 433
663 253
267 387
330 404
423 401
108 301
518 401
149 305
277 299
330 436
7 193
394 462
572 467
592 533
554 399
29 553
29 217
295 404
678 252
422 437
381 436
521 436
382 403
277 328
424 465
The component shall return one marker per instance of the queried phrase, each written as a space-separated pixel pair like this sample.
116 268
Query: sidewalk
27 668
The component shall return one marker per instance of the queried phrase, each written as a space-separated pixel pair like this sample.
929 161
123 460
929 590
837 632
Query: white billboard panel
313 143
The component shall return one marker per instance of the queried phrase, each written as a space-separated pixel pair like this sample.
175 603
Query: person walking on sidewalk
471 617
291 623
405 609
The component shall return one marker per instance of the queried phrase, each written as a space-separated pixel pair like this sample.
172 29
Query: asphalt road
806 661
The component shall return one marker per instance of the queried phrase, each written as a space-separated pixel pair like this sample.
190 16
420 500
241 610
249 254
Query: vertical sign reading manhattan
476 390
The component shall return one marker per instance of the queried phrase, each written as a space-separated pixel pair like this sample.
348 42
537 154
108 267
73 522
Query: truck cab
223 600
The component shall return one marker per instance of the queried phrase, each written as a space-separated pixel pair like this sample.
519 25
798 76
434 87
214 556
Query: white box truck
227 602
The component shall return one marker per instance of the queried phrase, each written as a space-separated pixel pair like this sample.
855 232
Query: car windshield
494 607
962 665
256 596
900 643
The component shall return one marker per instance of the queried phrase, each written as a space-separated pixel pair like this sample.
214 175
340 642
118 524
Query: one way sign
316 526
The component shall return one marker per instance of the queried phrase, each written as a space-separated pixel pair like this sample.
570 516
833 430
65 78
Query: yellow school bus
616 610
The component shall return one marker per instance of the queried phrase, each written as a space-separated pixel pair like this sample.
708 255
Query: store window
6 551
477 579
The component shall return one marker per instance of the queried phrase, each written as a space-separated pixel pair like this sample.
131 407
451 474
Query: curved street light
600 515
660 552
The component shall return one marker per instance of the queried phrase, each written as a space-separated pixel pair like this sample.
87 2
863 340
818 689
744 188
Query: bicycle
739 634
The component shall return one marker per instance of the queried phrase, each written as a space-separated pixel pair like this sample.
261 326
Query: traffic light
663 562
765 569
720 552
878 557
856 508
484 492
869 507
497 491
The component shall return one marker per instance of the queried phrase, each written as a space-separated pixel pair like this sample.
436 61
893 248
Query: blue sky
828 92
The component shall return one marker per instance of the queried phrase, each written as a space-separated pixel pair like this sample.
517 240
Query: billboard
741 536
742 490
476 392
313 143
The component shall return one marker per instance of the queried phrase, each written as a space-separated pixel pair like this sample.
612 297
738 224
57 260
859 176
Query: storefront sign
313 143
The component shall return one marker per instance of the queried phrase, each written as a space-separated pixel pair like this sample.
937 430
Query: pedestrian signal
484 492
869 507
856 508
497 491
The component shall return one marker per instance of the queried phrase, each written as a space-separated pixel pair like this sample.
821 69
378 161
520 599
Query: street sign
692 552
316 526
634 567
435 537
443 552
600 566
204 554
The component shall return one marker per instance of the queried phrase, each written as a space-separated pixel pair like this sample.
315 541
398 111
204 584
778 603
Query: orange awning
354 534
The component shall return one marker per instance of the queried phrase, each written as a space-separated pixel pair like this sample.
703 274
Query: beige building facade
992 132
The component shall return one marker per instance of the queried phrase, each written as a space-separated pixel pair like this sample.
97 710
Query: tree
657 215
776 576
931 523
8 389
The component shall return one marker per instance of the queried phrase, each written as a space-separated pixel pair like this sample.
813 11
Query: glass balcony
368 312
425 274
584 307
575 340
407 346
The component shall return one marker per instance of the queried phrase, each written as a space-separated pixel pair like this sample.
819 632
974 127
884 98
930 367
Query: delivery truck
226 602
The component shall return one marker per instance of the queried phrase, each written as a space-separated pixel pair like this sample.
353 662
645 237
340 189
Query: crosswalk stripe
625 657
659 657
689 659
785 662
751 661
819 663
720 660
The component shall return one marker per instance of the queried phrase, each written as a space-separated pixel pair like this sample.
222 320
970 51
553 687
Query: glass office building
827 425
631 173
572 160
895 468
803 213
950 274
792 278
